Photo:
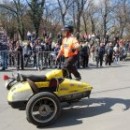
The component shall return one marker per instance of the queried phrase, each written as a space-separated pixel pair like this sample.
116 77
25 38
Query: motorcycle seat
34 78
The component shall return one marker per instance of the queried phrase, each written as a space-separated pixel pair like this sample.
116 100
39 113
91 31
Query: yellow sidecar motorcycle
42 95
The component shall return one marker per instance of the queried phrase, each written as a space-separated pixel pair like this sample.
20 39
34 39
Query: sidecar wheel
43 109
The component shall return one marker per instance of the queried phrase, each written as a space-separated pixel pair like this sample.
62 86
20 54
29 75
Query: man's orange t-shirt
67 45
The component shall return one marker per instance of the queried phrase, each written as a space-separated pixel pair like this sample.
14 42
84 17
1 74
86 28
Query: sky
97 2
1 1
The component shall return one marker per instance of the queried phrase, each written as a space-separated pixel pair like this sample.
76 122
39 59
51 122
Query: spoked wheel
43 109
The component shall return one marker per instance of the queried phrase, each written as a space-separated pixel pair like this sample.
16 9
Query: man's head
101 44
67 30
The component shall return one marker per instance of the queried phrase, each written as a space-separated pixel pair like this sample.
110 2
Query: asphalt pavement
107 109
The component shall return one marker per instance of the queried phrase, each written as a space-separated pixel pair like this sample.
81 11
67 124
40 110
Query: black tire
47 109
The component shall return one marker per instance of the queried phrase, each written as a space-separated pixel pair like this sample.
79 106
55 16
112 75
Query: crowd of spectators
41 52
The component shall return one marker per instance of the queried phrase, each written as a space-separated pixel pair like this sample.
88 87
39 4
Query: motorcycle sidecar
43 95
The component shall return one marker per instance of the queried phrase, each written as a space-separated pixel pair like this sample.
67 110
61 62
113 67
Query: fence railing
39 60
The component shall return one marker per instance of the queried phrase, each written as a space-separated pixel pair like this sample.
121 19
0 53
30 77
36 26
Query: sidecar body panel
65 89
54 74
69 86
71 90
20 92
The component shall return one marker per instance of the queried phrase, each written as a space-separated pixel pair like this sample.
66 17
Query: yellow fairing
18 88
54 74
69 86
22 91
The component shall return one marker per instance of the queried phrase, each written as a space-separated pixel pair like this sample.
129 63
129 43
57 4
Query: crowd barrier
41 59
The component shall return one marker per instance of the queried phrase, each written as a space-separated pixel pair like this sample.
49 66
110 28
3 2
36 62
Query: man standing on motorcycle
69 49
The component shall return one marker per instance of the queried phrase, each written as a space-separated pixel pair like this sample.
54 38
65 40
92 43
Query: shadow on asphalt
73 114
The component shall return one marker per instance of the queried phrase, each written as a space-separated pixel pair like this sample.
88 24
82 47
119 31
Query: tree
36 13
80 5
92 16
51 19
64 5
17 9
122 16
9 23
89 17
105 17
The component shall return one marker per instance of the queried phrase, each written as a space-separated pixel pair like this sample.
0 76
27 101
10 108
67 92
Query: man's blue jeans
4 59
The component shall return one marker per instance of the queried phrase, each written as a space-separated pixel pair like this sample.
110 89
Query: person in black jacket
109 54
27 52
84 53
19 56
37 53
100 51
4 55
